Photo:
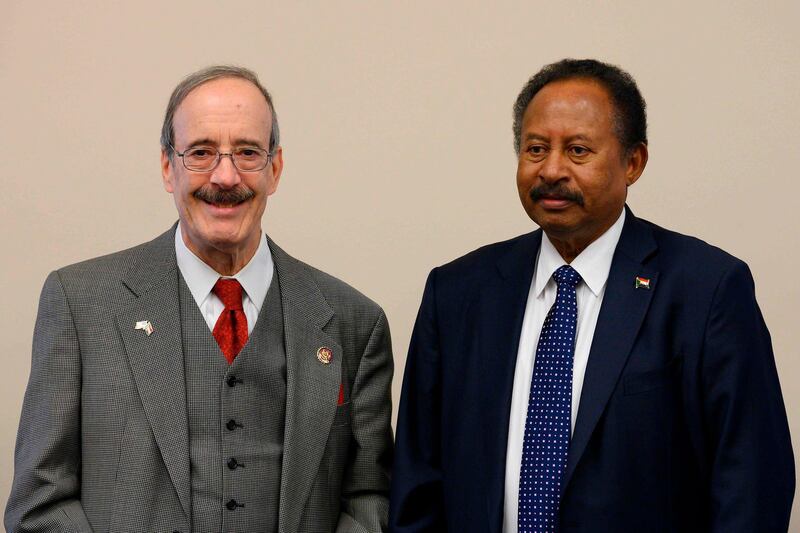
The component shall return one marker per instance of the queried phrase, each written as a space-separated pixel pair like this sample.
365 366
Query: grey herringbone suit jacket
103 436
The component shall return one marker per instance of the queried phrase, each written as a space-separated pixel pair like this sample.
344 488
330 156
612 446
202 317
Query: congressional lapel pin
325 355
642 283
146 326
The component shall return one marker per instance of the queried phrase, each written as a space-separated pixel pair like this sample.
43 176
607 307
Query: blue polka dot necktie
546 442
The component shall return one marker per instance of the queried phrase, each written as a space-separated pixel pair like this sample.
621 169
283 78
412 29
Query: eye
248 153
537 151
199 153
578 151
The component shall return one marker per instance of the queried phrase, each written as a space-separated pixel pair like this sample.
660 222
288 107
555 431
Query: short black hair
630 117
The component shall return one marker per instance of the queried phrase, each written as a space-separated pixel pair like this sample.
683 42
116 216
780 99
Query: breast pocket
653 379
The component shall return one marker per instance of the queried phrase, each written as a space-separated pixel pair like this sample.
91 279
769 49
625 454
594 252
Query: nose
553 167
226 174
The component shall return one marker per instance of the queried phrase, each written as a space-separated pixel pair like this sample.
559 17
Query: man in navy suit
601 374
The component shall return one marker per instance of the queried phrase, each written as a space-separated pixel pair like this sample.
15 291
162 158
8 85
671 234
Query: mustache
212 195
555 190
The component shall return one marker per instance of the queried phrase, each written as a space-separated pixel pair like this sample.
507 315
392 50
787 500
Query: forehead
221 109
569 104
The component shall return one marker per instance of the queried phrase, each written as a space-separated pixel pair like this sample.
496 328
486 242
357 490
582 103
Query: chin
226 241
549 219
220 238
556 226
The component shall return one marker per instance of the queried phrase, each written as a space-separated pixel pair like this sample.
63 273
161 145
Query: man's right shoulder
478 261
110 268
473 269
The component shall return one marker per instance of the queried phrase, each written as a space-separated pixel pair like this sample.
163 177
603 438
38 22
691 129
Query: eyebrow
237 142
537 137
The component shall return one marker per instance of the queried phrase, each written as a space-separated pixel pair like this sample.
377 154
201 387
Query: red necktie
230 331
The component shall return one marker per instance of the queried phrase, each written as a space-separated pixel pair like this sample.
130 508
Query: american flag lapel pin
146 326
642 283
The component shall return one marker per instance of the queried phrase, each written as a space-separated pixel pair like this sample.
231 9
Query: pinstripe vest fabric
236 420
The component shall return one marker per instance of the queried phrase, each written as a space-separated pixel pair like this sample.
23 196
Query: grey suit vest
236 420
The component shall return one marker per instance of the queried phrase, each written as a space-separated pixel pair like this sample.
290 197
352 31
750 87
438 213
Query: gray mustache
234 196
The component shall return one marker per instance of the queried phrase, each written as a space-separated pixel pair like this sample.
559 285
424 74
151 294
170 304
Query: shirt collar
593 264
255 277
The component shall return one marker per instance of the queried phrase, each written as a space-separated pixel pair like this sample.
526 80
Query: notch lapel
157 360
312 388
621 315
499 311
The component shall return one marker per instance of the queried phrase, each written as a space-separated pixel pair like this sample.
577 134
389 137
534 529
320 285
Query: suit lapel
312 388
498 312
156 359
621 315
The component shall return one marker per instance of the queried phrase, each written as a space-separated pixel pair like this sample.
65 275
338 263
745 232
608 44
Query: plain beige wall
396 123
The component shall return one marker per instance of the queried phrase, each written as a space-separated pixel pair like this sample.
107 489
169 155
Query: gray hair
194 80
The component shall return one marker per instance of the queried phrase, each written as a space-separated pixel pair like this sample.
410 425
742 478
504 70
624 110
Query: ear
636 161
166 171
276 167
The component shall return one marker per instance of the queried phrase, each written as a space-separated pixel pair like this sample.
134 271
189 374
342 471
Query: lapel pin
146 326
642 283
325 355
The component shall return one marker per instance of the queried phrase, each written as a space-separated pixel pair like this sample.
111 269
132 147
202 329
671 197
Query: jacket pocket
342 416
653 379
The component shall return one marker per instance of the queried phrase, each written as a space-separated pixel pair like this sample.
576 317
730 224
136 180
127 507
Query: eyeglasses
206 158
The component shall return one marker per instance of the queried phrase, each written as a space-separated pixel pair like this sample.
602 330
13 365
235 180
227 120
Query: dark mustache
234 196
555 190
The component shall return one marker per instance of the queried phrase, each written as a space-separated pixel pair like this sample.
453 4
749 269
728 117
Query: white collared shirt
255 279
593 264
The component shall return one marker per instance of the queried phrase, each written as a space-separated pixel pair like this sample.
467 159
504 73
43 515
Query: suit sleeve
417 502
45 495
752 467
365 490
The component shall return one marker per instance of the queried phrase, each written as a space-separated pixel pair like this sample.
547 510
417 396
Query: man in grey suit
206 381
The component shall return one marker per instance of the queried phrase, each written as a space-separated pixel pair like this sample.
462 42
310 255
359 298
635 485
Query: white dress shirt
255 279
593 264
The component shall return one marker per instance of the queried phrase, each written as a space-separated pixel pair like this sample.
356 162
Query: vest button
232 463
233 504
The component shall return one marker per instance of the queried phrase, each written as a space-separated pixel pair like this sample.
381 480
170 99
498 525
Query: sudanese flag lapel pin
642 283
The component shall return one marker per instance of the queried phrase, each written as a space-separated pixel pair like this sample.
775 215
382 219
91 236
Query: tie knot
230 292
567 276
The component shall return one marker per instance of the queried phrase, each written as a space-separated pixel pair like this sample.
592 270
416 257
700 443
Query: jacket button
232 381
233 504
233 424
232 463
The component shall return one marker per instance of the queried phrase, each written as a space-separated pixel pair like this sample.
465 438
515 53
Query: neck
570 244
226 261
568 250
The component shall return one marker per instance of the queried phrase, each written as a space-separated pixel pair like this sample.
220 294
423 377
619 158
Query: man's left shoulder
345 300
340 295
680 251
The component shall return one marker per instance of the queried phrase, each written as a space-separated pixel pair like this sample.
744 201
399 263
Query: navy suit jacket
681 425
